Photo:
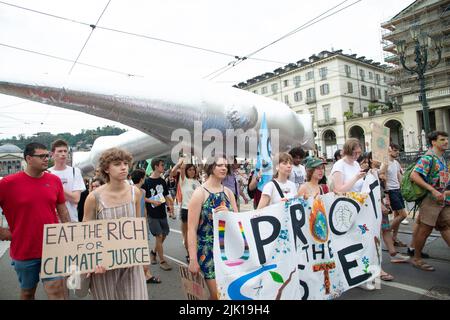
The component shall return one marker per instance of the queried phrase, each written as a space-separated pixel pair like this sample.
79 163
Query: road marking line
175 230
176 260
417 290
405 287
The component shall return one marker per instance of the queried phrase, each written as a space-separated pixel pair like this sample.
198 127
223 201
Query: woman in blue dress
211 198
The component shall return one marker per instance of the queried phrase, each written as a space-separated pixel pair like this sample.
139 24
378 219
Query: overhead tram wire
135 34
44 13
67 60
90 34
303 27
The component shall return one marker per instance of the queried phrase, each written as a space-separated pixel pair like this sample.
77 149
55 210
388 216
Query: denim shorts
28 273
396 199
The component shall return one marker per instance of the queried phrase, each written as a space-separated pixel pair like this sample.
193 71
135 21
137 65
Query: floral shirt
438 177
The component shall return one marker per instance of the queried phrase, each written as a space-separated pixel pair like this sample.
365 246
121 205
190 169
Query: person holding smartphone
346 174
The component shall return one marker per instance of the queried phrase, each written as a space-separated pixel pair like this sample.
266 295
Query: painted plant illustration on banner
302 249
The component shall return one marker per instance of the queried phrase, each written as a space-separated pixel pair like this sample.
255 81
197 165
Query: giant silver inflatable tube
160 107
140 145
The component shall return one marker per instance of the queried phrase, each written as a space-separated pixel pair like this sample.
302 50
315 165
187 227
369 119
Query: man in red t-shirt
29 200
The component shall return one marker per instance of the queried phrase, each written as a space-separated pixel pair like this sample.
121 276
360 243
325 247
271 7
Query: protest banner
380 142
115 243
194 286
314 249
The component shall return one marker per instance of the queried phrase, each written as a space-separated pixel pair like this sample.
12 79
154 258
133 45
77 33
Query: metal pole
425 107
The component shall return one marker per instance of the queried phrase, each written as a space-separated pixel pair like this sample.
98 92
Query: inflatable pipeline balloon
158 108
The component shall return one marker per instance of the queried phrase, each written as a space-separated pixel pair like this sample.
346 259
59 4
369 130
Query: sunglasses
42 156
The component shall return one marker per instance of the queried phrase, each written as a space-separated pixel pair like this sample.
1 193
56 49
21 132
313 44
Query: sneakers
405 221
423 254
153 257
369 286
399 258
165 266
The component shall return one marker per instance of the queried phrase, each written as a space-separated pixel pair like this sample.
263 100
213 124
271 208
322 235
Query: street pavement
409 283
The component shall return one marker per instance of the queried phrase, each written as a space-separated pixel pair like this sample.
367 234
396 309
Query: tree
87 136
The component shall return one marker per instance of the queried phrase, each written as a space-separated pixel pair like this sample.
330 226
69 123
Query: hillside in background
80 141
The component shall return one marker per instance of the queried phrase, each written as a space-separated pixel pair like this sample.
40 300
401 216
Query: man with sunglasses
29 200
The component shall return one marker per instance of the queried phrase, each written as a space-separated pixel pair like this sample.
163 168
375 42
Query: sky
229 28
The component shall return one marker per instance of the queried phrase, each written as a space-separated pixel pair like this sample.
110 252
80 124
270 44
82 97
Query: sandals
399 258
153 257
398 243
387 277
420 264
153 279
165 266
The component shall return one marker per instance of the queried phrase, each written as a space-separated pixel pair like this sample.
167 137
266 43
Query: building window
323 73
370 75
349 87
313 113
372 94
298 96
386 96
351 106
324 89
274 87
286 99
384 79
297 80
286 83
364 91
326 112
379 94
348 71
362 74
263 90
310 75
311 93
255 91
377 78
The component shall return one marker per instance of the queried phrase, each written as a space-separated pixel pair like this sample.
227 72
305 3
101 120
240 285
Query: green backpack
411 192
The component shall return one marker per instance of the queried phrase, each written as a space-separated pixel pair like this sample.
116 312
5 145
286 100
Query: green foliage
348 114
87 136
372 107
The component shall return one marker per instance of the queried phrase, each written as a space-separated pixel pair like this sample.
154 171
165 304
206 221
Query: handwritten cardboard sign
194 286
380 142
116 243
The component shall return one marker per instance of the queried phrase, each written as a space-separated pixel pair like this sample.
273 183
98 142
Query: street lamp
422 43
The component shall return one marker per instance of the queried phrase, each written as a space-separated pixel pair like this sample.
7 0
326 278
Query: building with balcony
432 17
344 93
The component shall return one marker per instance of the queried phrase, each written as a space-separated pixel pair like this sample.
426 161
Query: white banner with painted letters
314 249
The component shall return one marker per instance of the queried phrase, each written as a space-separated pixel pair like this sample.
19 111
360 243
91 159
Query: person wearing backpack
431 174
280 188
